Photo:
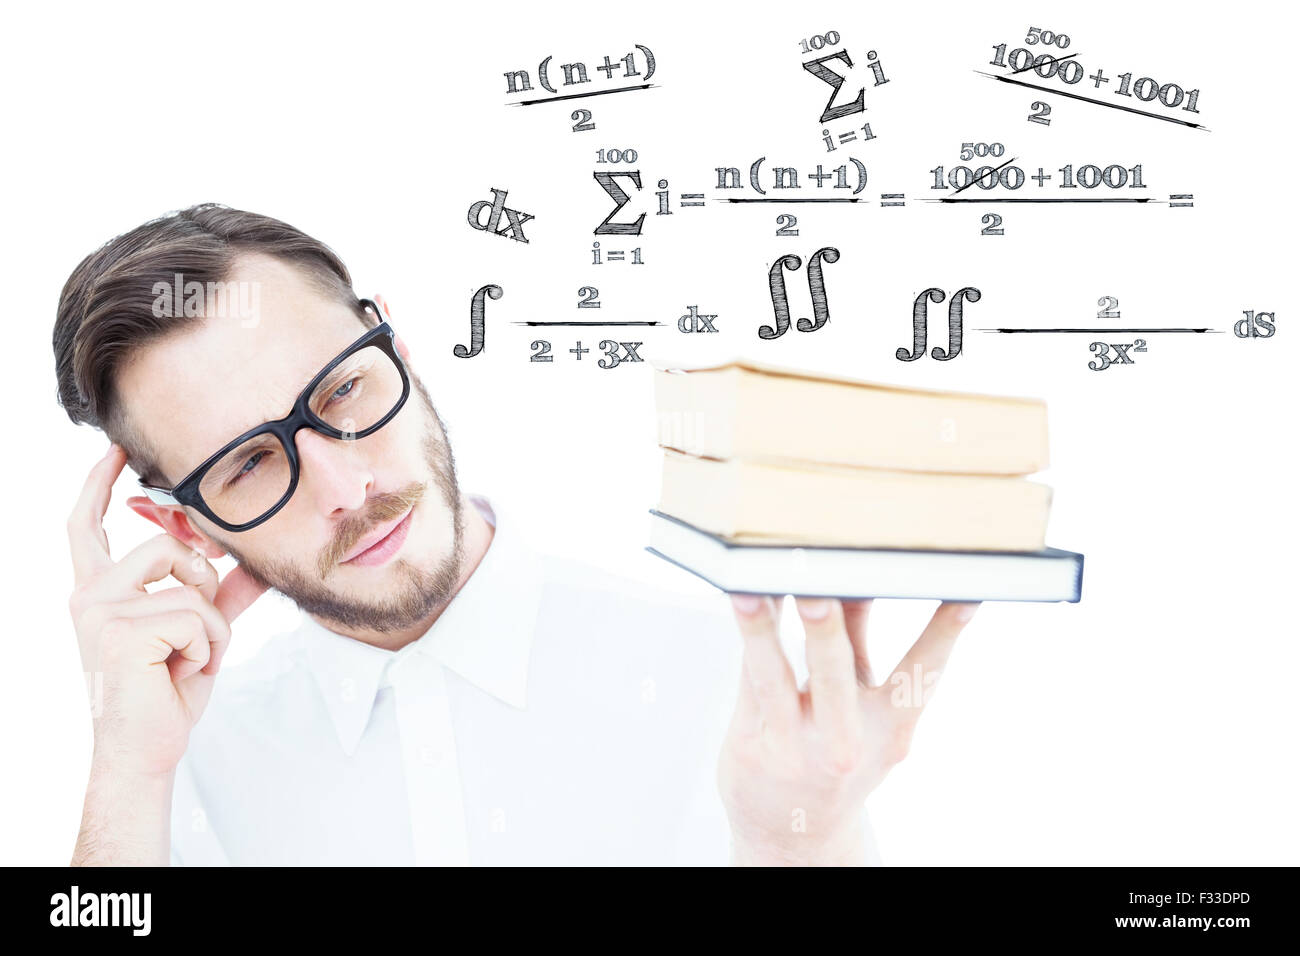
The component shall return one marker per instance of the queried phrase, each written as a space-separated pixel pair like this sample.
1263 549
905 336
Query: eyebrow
261 441
297 393
348 364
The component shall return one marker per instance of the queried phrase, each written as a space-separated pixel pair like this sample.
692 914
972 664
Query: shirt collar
485 634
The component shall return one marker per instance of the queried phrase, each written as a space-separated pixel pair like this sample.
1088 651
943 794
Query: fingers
921 667
86 537
832 678
768 689
120 590
182 598
237 592
855 619
157 636
221 601
184 632
160 556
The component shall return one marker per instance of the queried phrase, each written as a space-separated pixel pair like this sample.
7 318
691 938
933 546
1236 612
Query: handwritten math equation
627 201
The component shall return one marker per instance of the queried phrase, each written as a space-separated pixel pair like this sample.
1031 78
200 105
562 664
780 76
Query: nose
333 473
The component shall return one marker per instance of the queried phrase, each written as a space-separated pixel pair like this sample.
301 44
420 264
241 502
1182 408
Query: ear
174 520
387 316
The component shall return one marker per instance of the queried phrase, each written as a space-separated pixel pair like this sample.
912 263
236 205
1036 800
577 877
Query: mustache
379 509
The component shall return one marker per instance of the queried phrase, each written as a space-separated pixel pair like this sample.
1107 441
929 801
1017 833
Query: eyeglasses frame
186 491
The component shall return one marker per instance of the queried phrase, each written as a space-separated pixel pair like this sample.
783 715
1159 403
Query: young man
451 696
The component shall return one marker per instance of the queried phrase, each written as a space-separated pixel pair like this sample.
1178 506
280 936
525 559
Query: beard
416 592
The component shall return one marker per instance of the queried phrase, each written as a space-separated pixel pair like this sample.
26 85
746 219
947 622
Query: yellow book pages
752 501
744 409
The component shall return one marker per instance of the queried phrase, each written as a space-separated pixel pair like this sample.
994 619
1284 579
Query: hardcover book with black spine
1047 575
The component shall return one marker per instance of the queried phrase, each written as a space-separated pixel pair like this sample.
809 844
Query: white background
1152 723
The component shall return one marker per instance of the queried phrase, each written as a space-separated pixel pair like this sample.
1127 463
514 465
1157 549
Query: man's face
191 394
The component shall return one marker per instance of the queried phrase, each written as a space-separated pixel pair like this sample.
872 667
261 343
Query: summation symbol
828 68
607 227
826 74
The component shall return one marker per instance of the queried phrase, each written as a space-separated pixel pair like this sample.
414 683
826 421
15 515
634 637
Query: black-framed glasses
255 475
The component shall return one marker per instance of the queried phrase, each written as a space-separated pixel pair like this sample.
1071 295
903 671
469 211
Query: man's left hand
798 763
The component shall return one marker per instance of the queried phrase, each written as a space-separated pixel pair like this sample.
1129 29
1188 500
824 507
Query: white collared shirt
553 714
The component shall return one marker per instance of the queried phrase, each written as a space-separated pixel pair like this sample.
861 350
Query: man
451 696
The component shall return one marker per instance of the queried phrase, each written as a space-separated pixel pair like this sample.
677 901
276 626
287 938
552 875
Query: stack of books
781 481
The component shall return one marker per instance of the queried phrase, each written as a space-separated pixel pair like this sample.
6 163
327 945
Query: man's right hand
152 656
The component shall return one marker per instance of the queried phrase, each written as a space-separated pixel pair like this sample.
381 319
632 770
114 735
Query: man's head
170 371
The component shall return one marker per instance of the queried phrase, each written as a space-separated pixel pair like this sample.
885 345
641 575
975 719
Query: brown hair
107 307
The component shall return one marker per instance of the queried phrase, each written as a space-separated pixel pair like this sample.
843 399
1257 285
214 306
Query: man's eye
346 385
249 466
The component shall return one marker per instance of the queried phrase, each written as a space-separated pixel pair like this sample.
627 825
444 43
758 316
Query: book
785 502
746 409
1049 574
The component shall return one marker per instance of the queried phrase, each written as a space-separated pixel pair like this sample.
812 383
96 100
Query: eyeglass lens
250 479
